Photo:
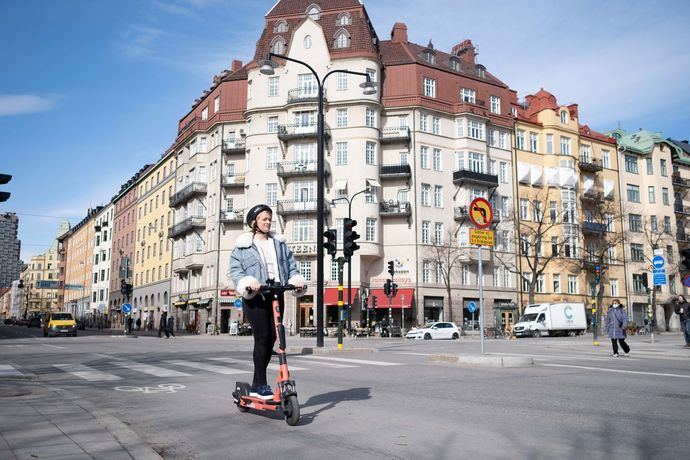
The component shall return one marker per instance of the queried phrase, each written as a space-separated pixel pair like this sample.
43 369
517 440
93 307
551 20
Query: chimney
465 51
236 65
399 33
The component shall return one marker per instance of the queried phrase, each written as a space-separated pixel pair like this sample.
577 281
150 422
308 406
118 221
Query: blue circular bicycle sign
127 308
658 262
472 307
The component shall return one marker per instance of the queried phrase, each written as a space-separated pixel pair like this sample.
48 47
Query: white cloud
140 41
19 104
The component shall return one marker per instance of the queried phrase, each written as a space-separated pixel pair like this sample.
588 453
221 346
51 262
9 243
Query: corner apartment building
123 245
152 259
41 281
654 185
10 249
568 195
102 261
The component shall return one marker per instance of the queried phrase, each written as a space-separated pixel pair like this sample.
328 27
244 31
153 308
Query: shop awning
403 296
331 296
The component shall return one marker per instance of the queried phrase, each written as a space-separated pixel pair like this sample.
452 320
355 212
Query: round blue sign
238 303
126 308
658 262
472 307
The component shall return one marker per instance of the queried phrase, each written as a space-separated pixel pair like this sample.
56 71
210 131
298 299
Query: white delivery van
552 319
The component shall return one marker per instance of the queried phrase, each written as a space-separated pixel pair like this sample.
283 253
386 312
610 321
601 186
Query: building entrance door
507 319
306 315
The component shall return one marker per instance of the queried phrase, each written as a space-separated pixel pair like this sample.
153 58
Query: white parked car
430 331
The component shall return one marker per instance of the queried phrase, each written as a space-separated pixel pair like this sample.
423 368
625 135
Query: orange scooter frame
284 395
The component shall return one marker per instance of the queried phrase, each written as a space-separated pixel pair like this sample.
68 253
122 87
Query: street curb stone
483 361
328 351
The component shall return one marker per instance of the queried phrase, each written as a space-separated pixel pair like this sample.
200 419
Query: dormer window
564 117
280 27
278 45
314 13
342 39
344 19
429 57
454 64
481 70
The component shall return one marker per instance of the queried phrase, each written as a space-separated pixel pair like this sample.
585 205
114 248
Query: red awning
330 296
396 302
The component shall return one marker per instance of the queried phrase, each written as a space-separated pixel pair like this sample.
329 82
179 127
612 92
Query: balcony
395 172
678 182
286 207
593 228
682 237
235 181
186 225
234 146
393 208
305 95
395 135
188 191
299 169
471 255
592 195
465 176
232 217
293 132
590 164
682 210
460 213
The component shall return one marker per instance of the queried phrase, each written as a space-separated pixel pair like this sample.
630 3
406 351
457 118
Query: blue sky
92 90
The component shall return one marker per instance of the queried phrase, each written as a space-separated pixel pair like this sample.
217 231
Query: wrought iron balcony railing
186 225
395 171
466 176
195 188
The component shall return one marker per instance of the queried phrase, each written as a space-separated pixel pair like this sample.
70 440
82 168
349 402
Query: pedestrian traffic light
685 254
330 244
391 268
394 289
349 237
387 287
374 301
4 178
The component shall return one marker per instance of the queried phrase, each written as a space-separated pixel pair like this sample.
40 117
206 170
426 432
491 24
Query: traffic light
394 289
685 254
4 178
374 301
391 268
387 288
349 237
330 244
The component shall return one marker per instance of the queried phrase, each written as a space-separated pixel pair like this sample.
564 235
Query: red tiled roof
586 131
287 7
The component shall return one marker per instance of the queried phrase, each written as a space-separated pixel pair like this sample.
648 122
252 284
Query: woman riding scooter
262 255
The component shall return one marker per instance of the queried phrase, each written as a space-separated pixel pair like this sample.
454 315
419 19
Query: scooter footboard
241 389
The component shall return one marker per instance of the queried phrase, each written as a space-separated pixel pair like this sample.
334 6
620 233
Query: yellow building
41 273
153 251
567 206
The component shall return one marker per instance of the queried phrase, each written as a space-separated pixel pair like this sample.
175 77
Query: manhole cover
10 392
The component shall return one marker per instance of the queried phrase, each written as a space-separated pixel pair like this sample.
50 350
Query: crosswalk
111 371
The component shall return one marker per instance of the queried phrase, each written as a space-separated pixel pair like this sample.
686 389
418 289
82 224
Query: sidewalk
50 422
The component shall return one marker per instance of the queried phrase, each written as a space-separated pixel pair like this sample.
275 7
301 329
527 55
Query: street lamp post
268 68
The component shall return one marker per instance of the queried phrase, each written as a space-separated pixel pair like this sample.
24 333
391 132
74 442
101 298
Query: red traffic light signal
331 244
391 268
349 237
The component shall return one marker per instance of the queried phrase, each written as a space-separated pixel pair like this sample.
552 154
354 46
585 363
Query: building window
454 64
438 233
424 157
429 87
273 86
503 140
341 118
314 13
503 172
495 104
305 269
436 159
278 45
426 230
426 191
216 106
565 145
342 40
476 130
572 284
271 157
635 221
438 196
344 19
370 229
524 209
303 230
556 283
372 74
549 143
663 168
435 125
665 196
638 283
341 153
631 164
637 252
370 118
341 81
667 224
533 142
606 159
468 95
273 124
423 122
520 140
280 27
460 127
370 153
634 193
204 113
426 272
651 197
429 57
564 117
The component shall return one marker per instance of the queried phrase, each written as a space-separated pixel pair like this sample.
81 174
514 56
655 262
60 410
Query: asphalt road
576 401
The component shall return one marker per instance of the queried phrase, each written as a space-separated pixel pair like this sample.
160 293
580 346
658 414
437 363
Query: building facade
102 263
10 248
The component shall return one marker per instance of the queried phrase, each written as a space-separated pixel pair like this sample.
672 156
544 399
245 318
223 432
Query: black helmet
255 211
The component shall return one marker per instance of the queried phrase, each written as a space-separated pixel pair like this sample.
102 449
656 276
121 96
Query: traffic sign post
126 310
472 307
481 214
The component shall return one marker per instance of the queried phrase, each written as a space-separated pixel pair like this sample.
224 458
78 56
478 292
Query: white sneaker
626 354
614 355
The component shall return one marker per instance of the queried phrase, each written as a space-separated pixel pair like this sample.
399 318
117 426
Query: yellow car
59 323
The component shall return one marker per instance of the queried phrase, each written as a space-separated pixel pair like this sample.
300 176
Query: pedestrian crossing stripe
151 370
209 367
7 370
271 366
87 373
348 360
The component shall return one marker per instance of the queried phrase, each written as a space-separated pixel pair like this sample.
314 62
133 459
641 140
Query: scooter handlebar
274 288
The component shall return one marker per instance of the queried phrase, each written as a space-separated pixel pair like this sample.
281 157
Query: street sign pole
480 270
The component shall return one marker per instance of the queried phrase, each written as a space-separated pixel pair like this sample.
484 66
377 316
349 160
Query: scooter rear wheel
292 410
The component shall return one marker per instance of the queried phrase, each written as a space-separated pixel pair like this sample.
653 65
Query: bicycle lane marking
618 371
160 388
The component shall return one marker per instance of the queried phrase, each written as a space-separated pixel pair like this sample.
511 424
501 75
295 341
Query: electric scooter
284 395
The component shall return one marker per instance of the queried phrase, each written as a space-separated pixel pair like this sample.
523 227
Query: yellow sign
481 237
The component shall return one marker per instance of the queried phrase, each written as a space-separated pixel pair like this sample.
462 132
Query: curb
483 361
327 351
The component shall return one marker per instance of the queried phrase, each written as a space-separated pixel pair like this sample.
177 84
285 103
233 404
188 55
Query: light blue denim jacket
246 265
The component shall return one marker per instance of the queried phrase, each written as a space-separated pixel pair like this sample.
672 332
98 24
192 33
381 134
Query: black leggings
624 345
260 317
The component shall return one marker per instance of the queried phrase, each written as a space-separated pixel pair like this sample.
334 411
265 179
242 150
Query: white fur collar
245 240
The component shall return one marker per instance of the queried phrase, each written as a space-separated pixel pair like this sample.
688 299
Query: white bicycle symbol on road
162 388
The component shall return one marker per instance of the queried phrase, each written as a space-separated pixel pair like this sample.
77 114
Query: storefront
401 304
433 309
330 300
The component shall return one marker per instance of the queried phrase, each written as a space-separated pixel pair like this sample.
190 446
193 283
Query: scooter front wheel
292 410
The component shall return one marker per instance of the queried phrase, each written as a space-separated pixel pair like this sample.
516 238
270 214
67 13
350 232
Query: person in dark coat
163 325
171 328
683 311
615 325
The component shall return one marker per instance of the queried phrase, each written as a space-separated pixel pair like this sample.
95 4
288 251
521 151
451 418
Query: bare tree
535 229
445 255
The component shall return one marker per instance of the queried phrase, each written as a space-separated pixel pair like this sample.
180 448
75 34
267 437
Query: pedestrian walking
138 324
171 328
683 311
262 255
130 324
615 325
163 325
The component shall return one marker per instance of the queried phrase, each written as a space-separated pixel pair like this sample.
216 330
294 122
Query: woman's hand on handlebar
254 286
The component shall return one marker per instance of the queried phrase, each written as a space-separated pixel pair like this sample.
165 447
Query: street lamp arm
351 72
287 58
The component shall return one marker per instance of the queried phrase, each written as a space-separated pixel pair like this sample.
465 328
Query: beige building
153 248
41 281
568 208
